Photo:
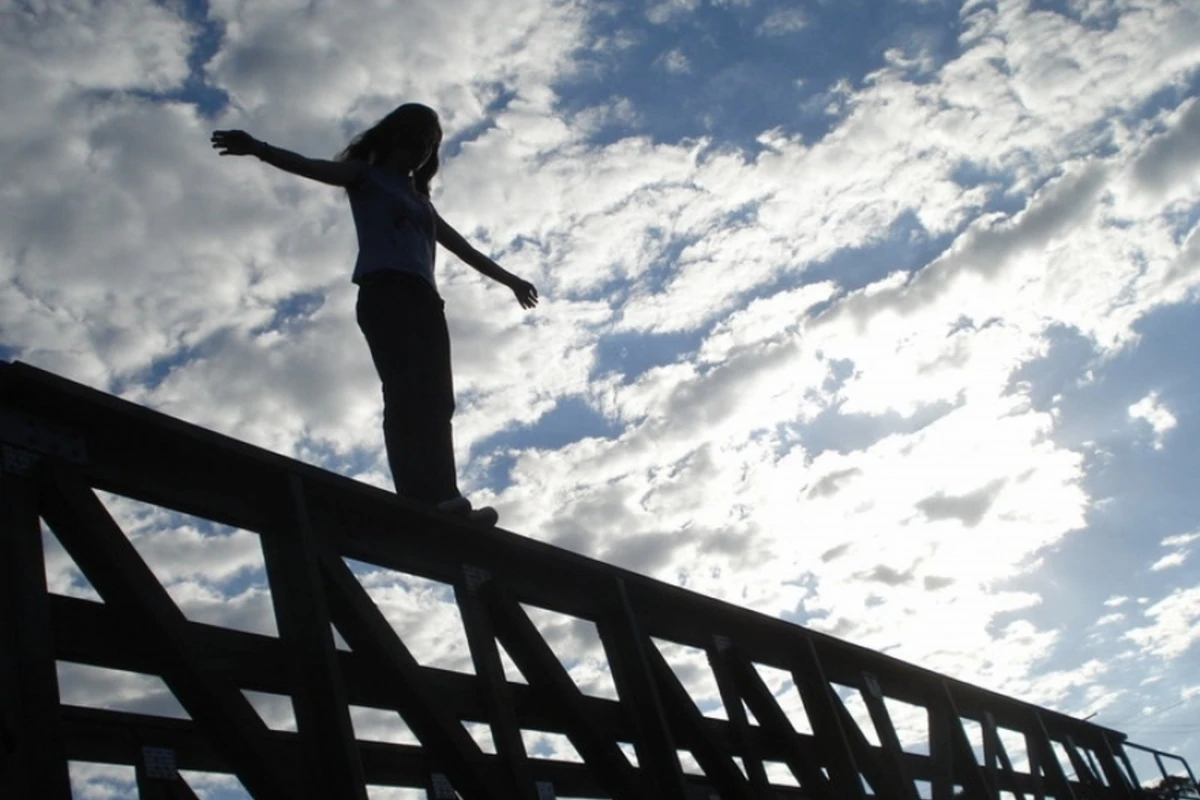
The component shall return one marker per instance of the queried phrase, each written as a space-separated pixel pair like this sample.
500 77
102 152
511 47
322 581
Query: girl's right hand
235 143
526 294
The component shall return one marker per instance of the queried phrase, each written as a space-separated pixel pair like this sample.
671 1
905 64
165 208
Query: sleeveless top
396 225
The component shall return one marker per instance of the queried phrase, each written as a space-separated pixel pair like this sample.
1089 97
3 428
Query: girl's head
407 139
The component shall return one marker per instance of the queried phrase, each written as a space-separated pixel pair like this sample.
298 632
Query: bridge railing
827 730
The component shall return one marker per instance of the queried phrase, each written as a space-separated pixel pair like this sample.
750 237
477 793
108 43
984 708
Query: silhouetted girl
386 173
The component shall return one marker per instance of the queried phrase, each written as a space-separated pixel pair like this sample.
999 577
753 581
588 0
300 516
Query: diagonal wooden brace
714 759
770 716
318 692
371 636
542 669
723 658
497 693
118 573
626 646
995 753
818 695
873 697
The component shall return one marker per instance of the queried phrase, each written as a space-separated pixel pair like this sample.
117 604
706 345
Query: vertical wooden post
888 738
1120 782
1055 776
33 761
996 754
625 646
1034 754
489 672
810 680
731 697
966 766
941 751
331 756
1083 771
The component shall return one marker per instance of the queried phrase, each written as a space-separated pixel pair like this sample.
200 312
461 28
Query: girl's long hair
405 126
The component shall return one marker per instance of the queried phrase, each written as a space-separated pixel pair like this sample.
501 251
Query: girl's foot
485 517
455 505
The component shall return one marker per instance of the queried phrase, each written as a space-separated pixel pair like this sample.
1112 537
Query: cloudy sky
873 315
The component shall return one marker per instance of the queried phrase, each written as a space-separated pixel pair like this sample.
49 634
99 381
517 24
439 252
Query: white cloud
118 45
1171 157
1174 625
663 11
1180 554
1168 561
675 62
356 62
1151 411
783 21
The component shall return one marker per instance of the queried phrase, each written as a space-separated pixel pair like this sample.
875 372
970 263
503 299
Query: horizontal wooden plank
109 737
86 632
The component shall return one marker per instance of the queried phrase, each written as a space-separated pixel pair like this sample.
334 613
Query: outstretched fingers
526 293
232 143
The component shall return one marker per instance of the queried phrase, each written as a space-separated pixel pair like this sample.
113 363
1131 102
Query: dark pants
403 319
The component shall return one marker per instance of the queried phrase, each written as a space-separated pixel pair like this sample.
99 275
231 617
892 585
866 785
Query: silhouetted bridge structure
62 442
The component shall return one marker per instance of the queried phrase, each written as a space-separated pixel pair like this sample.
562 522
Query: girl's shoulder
363 170
358 178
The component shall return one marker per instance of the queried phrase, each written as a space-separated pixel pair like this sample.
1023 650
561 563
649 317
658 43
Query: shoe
455 505
485 517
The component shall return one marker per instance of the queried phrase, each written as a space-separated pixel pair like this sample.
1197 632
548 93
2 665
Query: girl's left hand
526 293
235 143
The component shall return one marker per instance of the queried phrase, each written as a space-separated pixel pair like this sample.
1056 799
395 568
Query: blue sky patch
632 354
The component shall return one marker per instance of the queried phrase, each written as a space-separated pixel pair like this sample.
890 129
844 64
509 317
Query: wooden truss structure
63 442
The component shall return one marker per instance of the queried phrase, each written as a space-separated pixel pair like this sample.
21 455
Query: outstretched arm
240 143
453 241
